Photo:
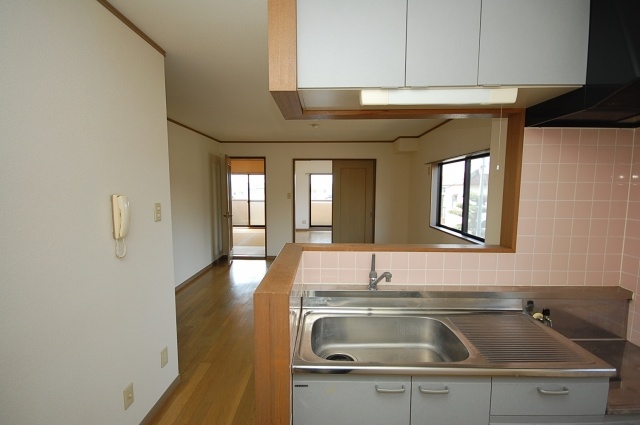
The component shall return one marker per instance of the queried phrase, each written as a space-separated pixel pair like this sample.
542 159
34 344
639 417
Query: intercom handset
121 217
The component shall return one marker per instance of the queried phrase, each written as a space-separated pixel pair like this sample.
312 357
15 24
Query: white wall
392 174
402 187
194 164
83 116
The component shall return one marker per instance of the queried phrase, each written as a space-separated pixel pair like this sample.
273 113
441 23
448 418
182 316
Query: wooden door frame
228 215
293 185
293 197
264 162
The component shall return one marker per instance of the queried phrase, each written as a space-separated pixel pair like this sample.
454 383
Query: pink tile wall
579 224
630 270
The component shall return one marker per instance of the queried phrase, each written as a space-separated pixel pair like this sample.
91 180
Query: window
463 185
321 200
247 195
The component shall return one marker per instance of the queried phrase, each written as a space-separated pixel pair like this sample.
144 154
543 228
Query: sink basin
385 339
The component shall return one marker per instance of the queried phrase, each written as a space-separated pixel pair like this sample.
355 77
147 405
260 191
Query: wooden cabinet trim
272 339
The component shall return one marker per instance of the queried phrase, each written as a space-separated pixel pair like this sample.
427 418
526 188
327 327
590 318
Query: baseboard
186 283
248 257
222 259
161 401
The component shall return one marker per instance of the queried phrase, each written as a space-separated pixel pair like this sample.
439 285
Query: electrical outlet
128 396
164 357
157 212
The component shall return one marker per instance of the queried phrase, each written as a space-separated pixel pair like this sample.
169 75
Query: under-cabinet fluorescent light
439 96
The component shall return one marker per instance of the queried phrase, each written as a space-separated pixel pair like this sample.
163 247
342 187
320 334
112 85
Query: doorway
334 201
248 207
309 205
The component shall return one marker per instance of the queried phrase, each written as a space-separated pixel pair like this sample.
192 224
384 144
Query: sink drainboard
509 339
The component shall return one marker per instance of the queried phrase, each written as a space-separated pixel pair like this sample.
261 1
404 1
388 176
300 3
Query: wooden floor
215 348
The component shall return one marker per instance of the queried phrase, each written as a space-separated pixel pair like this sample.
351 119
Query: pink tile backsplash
579 225
417 260
630 264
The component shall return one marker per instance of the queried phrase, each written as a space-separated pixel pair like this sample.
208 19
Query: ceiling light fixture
439 96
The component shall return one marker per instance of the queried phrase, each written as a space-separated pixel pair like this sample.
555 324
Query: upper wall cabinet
442 42
541 42
350 43
421 43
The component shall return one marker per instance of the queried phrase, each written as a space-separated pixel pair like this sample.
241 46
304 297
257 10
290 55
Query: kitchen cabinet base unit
320 399
352 400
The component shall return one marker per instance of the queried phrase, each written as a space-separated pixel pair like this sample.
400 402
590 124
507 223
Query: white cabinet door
351 43
541 42
351 400
450 400
442 42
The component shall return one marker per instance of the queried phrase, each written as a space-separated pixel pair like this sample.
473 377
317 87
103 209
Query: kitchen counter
624 388
500 339
281 289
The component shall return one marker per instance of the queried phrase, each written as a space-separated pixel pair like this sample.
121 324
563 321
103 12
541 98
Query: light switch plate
164 357
128 396
157 212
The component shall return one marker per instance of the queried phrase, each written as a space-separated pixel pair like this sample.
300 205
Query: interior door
353 200
218 207
228 215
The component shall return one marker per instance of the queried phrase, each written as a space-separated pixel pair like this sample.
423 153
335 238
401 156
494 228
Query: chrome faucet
373 275
544 316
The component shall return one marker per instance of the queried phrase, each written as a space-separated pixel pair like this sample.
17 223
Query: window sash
455 180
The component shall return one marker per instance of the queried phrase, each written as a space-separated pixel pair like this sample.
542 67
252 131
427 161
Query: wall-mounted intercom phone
121 217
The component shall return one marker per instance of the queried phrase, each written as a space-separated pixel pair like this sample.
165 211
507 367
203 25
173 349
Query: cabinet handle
390 390
563 391
426 391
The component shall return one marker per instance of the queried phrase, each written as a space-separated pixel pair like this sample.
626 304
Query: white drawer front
549 420
450 401
549 396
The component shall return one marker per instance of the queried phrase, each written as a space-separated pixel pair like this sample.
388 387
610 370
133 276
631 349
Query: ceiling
216 70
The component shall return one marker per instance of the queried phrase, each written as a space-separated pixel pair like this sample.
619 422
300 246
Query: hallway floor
215 348
319 235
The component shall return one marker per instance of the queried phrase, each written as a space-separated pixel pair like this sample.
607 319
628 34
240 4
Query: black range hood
611 96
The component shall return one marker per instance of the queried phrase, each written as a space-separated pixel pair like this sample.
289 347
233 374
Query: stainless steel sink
385 339
413 333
